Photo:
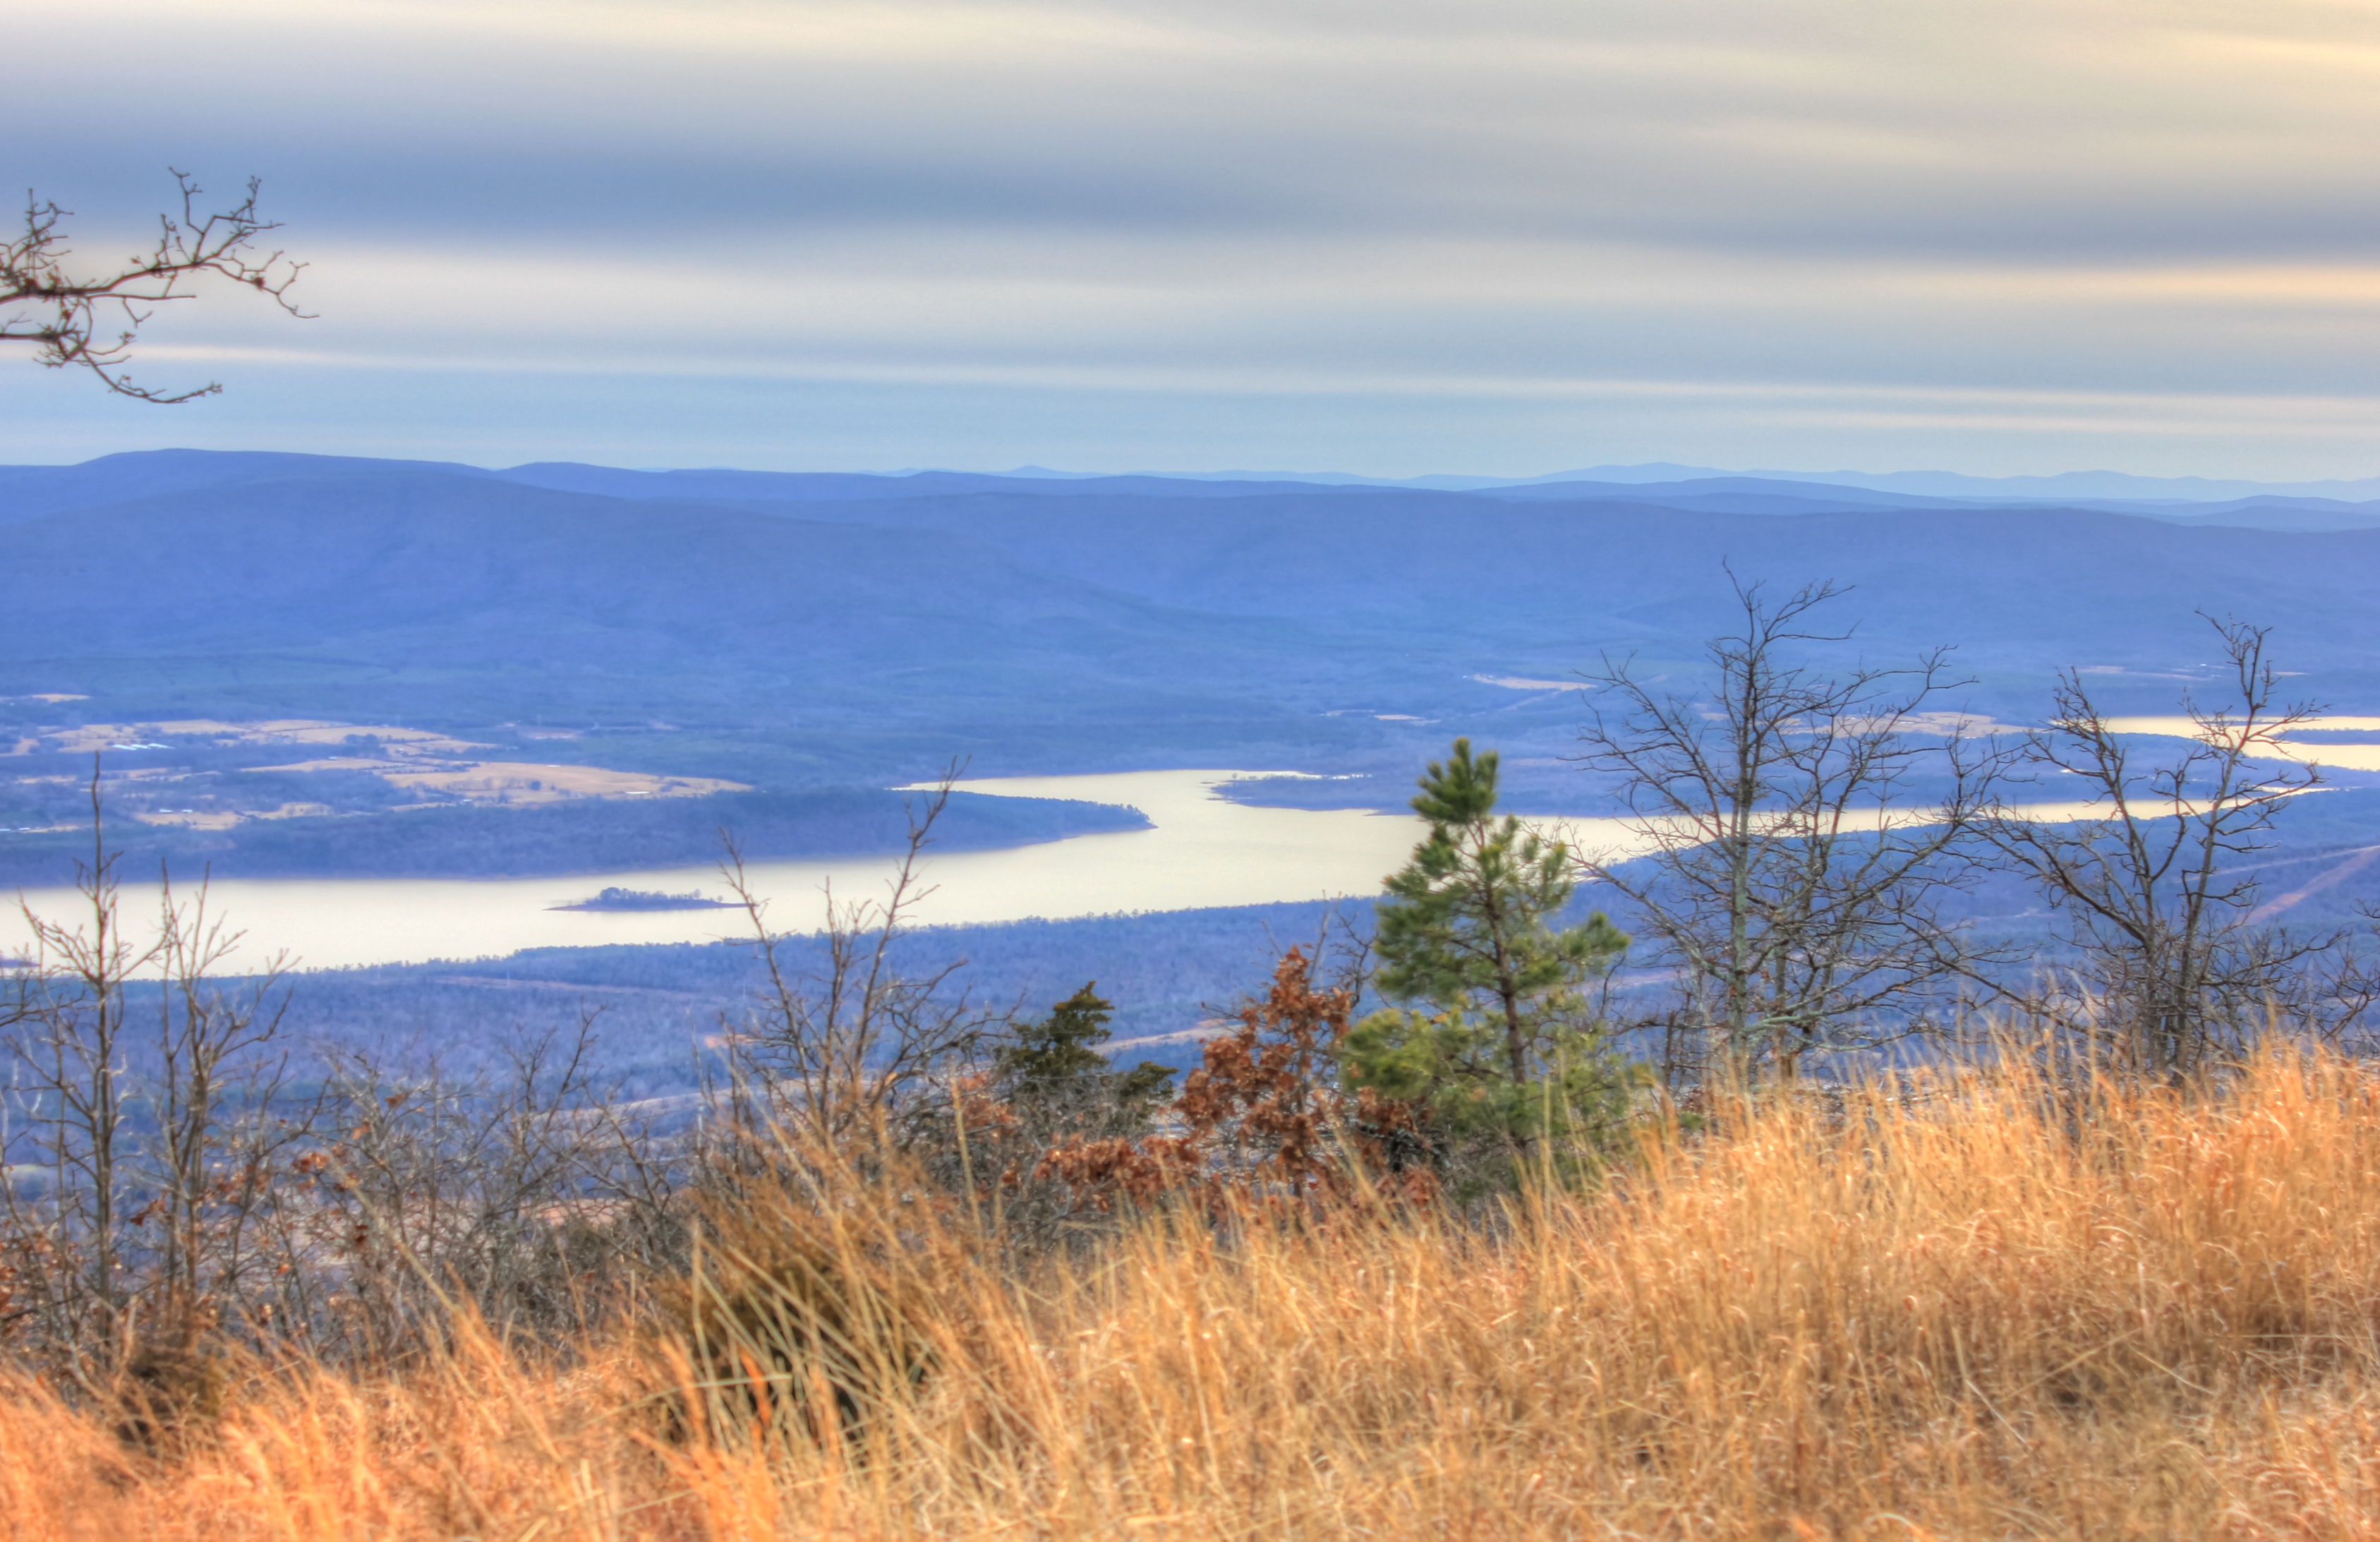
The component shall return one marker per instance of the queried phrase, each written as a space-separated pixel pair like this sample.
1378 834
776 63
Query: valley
403 712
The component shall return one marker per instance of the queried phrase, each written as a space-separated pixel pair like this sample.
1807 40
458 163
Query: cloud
2165 202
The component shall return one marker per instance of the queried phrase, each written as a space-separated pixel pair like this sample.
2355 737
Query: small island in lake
646 899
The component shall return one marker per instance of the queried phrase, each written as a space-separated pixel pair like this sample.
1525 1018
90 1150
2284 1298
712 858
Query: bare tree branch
62 314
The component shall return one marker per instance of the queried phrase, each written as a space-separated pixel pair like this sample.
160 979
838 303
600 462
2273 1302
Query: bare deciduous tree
215 1106
834 1052
2156 885
139 1161
1781 863
162 1174
63 315
499 1188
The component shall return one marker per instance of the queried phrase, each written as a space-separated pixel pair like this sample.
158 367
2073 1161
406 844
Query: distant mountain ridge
2088 485
688 591
131 474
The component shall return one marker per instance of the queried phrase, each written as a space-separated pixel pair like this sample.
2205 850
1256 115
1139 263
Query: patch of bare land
1120 1048
519 780
1529 683
210 780
223 819
99 737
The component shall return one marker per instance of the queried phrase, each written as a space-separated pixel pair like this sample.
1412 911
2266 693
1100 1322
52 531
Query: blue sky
1492 236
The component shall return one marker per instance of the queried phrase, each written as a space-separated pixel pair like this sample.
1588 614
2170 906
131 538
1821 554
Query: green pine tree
1059 1048
1466 929
1059 1056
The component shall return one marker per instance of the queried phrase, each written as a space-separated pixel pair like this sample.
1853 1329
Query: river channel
1203 851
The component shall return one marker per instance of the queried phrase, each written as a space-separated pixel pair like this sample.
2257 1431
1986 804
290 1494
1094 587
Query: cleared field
219 819
411 763
520 781
96 737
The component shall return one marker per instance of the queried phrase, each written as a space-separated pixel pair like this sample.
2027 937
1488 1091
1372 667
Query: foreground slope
1947 1316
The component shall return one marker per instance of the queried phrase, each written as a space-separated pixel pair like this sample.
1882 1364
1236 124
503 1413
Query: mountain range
800 630
2066 486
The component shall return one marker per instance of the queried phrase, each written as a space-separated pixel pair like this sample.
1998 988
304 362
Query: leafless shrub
837 1053
531 1194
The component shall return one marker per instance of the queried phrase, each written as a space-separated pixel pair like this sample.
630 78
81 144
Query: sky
1493 236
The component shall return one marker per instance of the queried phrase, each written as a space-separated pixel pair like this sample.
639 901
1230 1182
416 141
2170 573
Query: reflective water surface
1204 851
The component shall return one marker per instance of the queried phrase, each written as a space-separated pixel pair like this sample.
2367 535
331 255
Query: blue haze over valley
295 666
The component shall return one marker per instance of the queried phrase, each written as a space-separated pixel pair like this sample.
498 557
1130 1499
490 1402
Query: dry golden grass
1946 1319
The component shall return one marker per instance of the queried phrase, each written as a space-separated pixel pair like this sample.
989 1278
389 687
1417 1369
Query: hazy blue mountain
2068 487
2033 587
1662 471
2080 485
421 570
30 492
1158 613
1721 494
2267 512
811 487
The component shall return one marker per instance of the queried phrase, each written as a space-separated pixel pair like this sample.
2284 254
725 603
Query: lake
1203 851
